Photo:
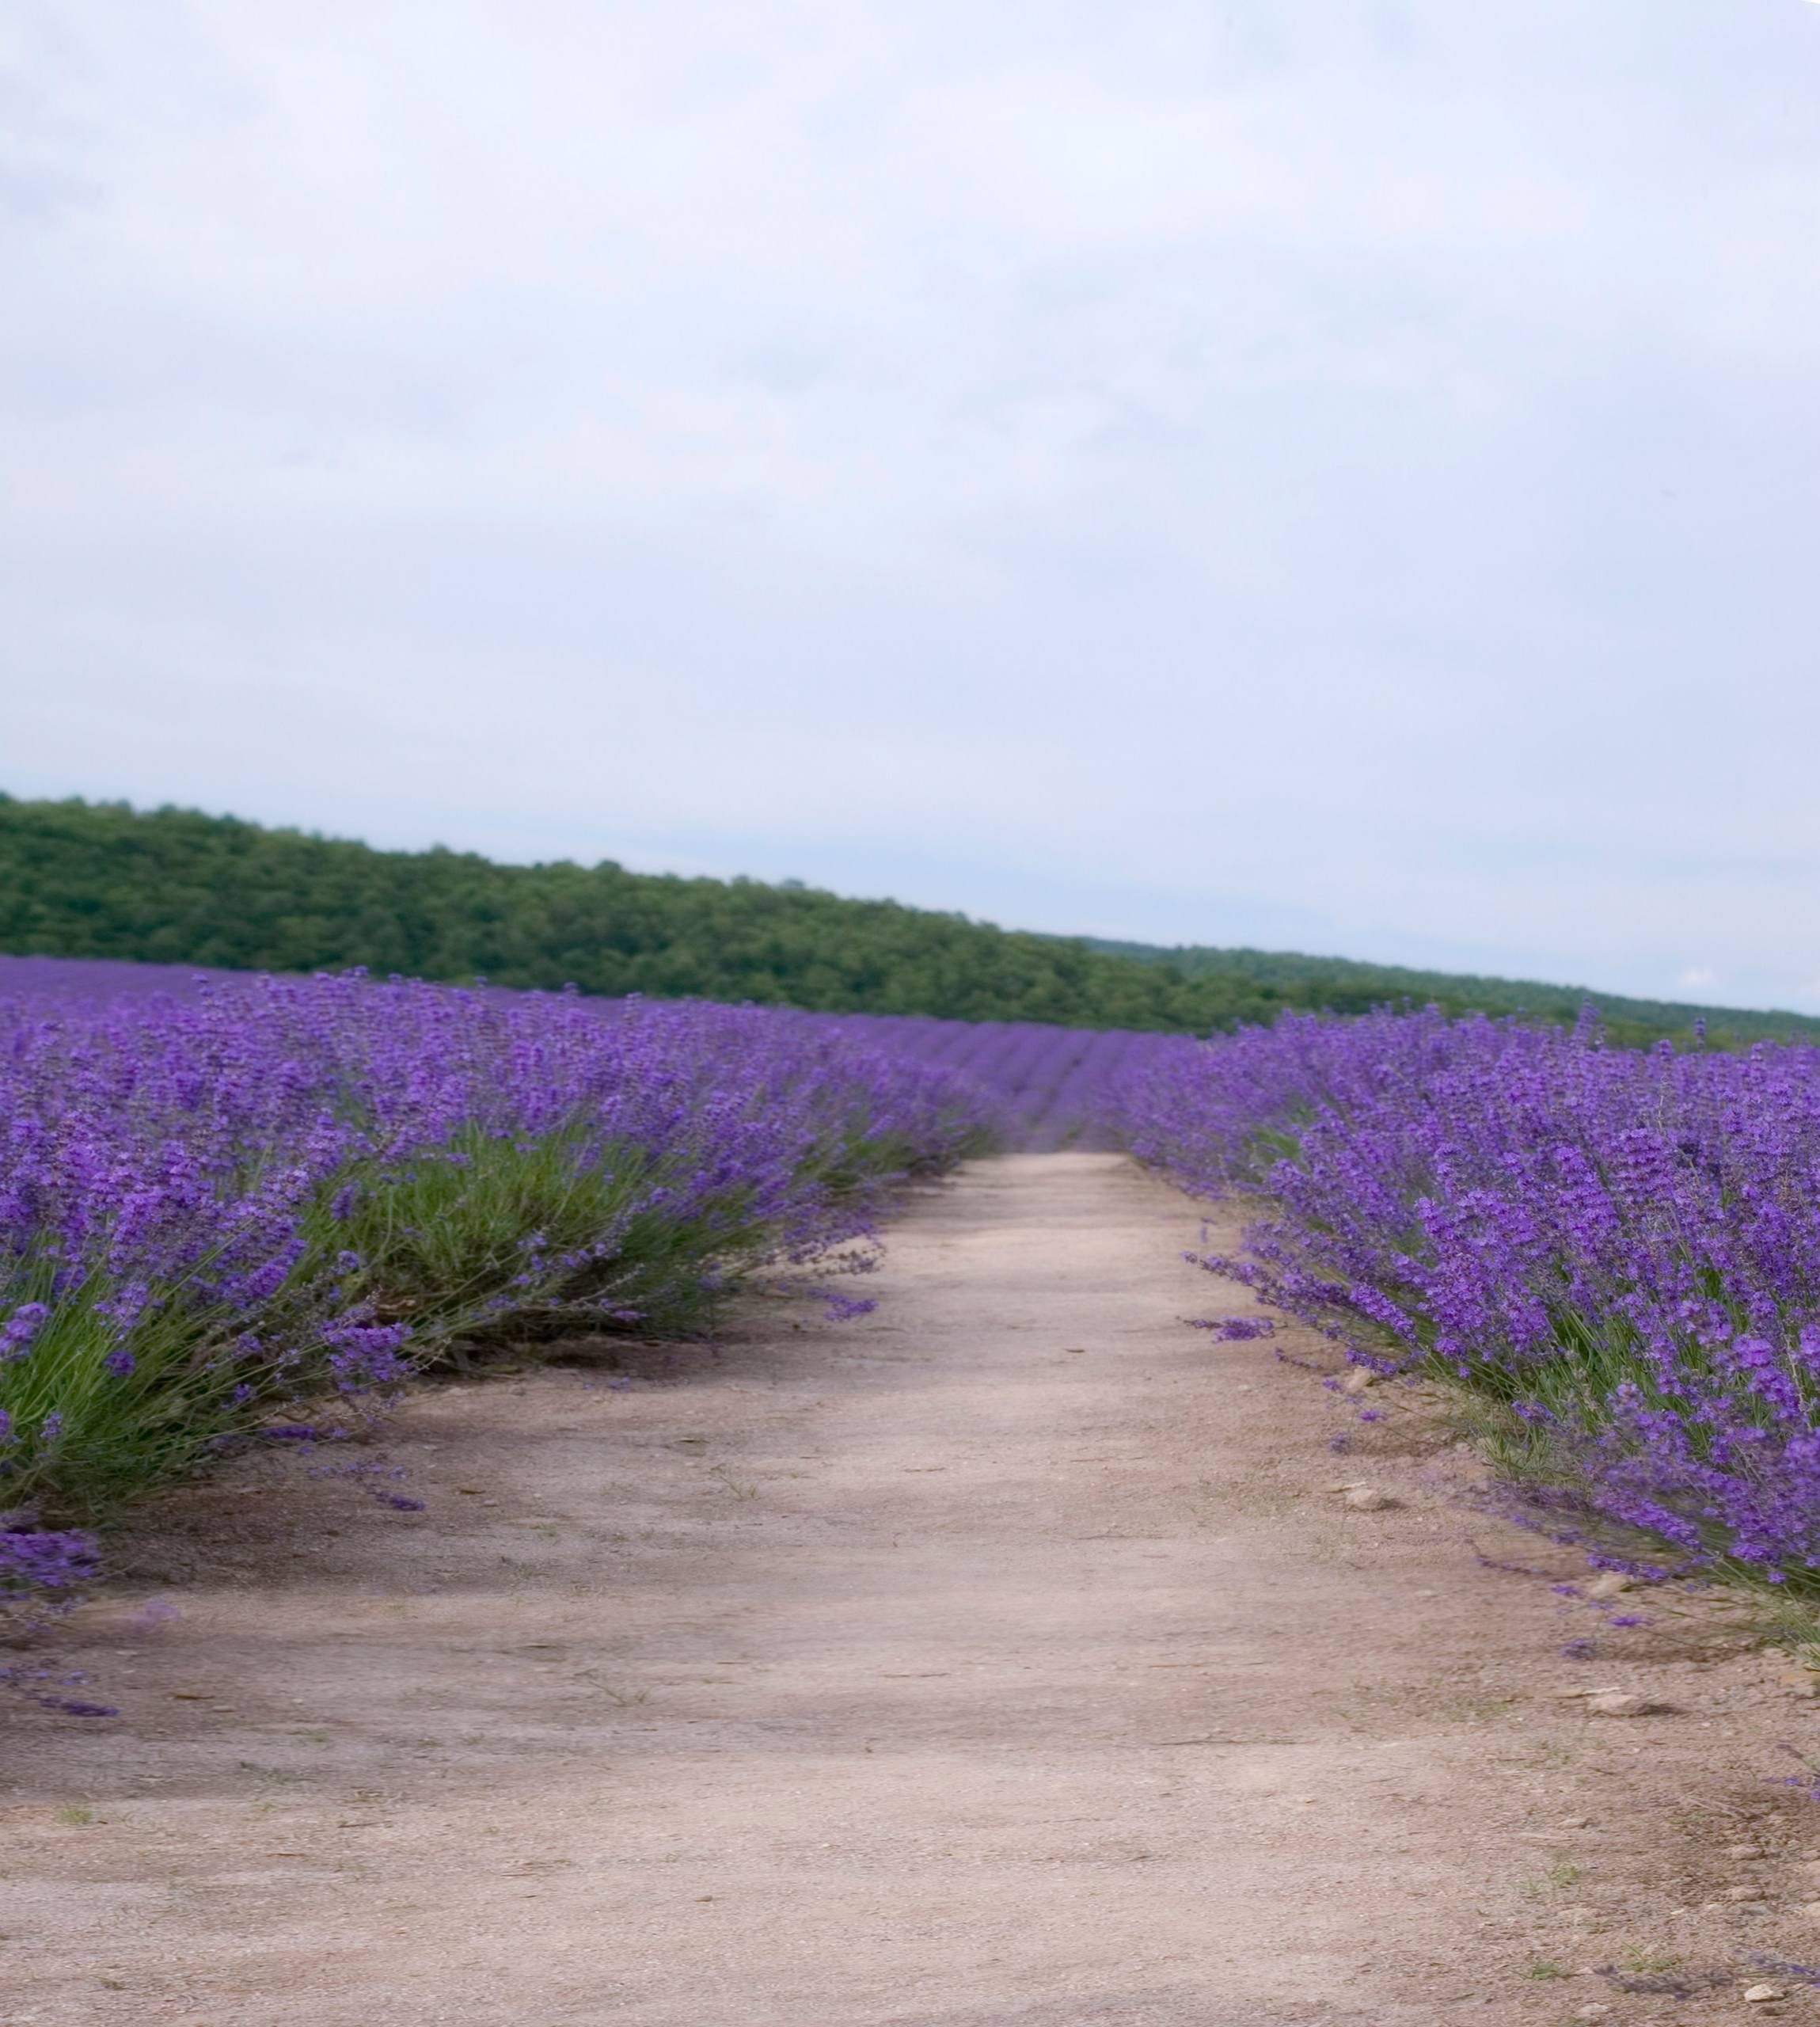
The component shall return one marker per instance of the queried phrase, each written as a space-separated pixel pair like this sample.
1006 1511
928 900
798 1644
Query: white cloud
1335 475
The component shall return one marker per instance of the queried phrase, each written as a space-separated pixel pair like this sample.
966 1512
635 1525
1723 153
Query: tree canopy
102 880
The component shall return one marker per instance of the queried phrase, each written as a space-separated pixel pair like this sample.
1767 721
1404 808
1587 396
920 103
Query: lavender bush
1617 1252
220 1209
1042 1084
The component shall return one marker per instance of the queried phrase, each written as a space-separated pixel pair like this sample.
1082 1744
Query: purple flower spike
19 1329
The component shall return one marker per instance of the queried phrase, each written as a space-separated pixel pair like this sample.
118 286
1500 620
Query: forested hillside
1343 982
87 880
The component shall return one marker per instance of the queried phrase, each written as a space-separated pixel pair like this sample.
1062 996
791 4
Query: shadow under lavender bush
1615 1254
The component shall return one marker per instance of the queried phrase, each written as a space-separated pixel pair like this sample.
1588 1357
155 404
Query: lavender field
226 1202
238 1215
1039 1085
1044 1087
1616 1252
248 1210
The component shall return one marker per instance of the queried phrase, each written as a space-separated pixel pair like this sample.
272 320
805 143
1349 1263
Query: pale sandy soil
1000 1658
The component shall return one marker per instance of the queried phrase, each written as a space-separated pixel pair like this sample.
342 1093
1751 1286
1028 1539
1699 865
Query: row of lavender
226 1206
1044 1085
1041 1084
1617 1252
219 1197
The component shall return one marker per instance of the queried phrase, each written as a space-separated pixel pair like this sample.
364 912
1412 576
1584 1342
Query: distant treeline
173 886
1341 981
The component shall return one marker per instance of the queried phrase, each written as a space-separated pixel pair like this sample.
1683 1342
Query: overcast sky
1327 475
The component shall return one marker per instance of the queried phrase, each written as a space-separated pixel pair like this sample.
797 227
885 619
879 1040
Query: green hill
1348 978
173 886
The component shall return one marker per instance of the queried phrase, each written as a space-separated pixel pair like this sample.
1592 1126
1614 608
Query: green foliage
173 886
111 1434
491 1236
1345 986
80 879
486 1240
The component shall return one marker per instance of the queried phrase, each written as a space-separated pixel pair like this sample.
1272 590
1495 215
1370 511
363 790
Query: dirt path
1001 1658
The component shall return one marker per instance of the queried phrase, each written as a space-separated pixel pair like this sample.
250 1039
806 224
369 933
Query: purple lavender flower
19 1329
1620 1248
1235 1330
35 1560
196 1174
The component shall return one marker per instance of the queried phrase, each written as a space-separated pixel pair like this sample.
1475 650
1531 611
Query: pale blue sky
1332 474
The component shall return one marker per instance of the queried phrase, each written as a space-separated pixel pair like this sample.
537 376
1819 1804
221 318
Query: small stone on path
1616 1703
1764 1995
1368 1499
